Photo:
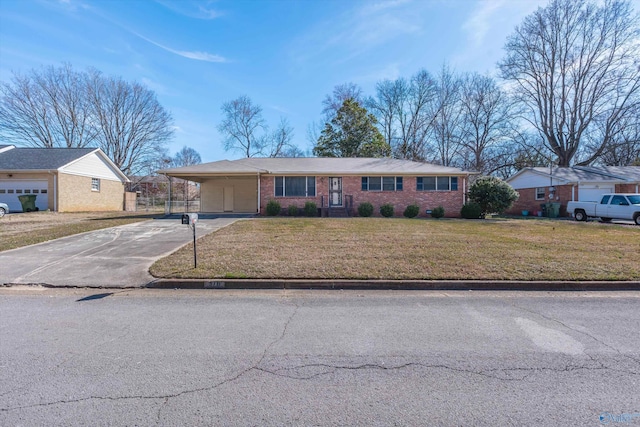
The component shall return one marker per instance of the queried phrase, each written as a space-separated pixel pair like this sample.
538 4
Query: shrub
412 211
365 209
310 209
273 208
471 210
386 210
293 210
492 194
437 212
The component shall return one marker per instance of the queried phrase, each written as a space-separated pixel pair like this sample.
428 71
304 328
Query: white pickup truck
612 206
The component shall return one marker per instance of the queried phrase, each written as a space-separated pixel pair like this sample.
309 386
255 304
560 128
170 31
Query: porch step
338 213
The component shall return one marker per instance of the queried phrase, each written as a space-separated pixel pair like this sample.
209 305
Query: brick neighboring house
538 185
62 179
336 185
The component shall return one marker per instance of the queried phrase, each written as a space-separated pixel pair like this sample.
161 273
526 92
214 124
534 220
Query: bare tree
332 103
47 108
241 126
624 148
404 110
133 126
447 129
187 156
488 122
574 64
280 141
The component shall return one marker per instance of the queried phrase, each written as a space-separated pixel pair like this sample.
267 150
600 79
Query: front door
335 191
227 199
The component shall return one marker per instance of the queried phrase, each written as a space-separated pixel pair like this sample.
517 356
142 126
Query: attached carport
223 191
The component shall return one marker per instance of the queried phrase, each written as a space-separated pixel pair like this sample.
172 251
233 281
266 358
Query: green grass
399 248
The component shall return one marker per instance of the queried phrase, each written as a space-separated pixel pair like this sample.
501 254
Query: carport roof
40 158
315 166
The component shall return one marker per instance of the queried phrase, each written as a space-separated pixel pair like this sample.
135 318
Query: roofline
100 153
314 173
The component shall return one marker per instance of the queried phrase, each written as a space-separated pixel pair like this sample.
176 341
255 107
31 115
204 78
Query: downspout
258 193
464 190
55 192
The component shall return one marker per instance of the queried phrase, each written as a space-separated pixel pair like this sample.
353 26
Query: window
605 200
95 184
2 191
440 183
381 183
619 201
295 186
19 191
43 191
36 191
540 193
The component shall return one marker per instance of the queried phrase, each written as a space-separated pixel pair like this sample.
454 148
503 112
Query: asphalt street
219 357
117 256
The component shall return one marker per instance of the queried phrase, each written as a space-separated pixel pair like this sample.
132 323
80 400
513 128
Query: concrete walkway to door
111 257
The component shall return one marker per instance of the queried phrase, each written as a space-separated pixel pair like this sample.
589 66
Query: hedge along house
62 179
336 185
538 185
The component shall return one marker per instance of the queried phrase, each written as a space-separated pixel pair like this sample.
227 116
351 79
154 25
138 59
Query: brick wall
527 200
626 188
451 201
75 194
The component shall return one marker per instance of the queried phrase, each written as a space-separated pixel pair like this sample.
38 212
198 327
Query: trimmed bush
310 209
386 210
365 209
437 212
492 194
293 210
471 210
412 211
273 208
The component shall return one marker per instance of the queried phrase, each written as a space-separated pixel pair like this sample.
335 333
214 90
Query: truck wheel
637 219
2 212
580 215
606 219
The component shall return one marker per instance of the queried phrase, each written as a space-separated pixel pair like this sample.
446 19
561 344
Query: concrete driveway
117 256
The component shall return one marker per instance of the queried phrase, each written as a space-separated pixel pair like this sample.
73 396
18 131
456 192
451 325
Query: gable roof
315 166
577 174
23 159
19 159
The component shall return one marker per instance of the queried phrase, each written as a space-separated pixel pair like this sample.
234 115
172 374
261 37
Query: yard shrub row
274 208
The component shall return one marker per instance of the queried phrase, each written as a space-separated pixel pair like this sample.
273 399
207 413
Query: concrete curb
433 285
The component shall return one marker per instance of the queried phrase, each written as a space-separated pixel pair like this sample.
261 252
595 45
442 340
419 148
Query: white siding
93 166
533 180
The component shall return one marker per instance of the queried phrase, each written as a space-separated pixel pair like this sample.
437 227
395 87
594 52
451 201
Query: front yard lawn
381 248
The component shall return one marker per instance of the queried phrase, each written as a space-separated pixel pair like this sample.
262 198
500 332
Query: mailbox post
190 219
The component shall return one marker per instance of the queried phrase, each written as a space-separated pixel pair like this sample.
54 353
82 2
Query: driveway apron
114 257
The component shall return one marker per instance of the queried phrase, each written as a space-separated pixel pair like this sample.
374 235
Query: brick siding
75 194
451 201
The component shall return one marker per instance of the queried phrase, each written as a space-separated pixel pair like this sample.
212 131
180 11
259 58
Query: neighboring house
579 183
334 184
62 179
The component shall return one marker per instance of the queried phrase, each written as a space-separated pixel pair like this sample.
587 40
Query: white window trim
543 193
97 180
306 185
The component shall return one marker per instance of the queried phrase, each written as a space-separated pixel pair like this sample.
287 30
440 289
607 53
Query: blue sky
286 55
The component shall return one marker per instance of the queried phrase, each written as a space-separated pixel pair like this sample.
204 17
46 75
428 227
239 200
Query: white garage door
591 193
10 189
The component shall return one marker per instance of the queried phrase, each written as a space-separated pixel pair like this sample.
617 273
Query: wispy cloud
191 9
198 56
359 30
490 20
